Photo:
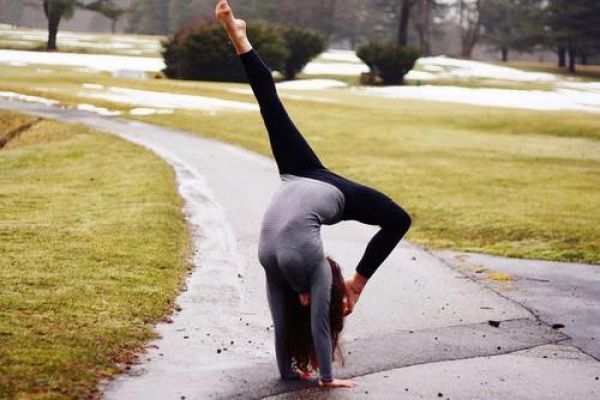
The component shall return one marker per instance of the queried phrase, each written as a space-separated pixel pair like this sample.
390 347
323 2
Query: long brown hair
298 334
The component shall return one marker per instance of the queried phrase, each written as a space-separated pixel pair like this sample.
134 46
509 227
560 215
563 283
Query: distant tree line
571 28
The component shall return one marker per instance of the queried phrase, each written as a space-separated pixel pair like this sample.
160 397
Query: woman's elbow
400 221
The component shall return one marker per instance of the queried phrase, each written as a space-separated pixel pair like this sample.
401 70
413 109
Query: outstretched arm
374 208
320 294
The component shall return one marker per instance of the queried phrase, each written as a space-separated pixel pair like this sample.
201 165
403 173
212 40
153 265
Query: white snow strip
162 100
526 99
92 86
98 110
420 76
475 69
102 62
348 56
29 99
321 68
587 86
312 84
150 111
288 96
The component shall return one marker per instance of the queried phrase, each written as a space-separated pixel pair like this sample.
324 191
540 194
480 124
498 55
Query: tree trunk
504 54
470 26
572 59
583 58
403 23
562 57
423 25
113 25
53 23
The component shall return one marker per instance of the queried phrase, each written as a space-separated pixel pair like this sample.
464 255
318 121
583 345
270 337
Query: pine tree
575 27
512 24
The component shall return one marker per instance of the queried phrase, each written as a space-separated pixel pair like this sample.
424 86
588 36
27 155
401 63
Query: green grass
94 250
504 181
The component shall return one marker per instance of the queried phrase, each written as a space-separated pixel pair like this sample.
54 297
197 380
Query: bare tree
469 21
422 22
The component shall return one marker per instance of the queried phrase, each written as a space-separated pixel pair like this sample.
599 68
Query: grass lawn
94 250
503 181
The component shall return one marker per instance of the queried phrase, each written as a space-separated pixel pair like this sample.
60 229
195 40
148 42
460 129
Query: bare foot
235 27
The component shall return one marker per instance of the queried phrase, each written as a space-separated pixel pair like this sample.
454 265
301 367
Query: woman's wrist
358 283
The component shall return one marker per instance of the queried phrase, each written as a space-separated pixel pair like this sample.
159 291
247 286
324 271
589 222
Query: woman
302 284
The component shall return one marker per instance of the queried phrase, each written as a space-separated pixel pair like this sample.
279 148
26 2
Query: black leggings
293 155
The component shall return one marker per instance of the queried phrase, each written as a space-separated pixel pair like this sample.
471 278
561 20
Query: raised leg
291 151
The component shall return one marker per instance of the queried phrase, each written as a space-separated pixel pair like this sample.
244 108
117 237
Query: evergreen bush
205 52
388 61
303 45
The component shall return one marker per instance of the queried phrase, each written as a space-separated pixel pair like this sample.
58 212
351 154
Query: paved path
418 324
558 293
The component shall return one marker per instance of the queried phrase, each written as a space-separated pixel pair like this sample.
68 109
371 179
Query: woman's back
290 238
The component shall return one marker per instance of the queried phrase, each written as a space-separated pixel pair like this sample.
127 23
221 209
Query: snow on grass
312 84
562 99
164 100
335 68
98 110
456 68
151 111
586 86
99 62
123 44
29 99
348 56
420 76
92 86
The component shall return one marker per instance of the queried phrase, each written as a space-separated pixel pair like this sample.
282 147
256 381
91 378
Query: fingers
305 376
349 302
338 383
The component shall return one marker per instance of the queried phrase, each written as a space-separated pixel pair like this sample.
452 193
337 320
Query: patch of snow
420 75
586 86
311 84
348 56
526 99
118 42
475 69
101 62
98 110
287 96
145 98
129 74
29 99
321 68
432 68
150 111
92 86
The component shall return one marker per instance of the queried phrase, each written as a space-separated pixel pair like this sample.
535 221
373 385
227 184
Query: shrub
205 52
304 45
388 61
